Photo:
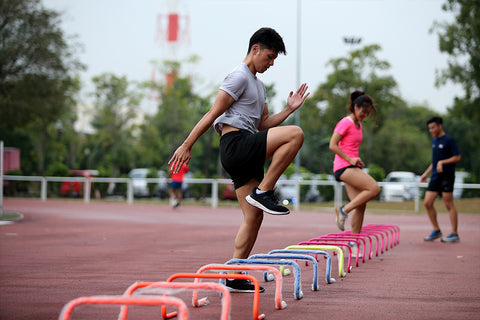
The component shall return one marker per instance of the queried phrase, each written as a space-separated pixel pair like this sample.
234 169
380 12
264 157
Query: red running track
63 250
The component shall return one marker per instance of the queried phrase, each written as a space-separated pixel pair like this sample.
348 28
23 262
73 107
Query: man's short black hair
436 119
267 38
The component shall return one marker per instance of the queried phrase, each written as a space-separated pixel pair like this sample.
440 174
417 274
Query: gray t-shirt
250 97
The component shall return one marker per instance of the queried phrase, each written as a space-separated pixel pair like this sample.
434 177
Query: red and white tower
172 34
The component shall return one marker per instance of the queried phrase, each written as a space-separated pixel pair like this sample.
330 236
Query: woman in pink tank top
347 165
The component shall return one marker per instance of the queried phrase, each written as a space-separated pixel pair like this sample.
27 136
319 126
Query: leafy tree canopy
35 64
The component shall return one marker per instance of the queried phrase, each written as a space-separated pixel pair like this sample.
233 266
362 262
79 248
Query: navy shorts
243 155
442 182
176 185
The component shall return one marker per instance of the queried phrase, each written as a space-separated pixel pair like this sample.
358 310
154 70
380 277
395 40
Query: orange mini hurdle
279 303
116 300
225 314
256 294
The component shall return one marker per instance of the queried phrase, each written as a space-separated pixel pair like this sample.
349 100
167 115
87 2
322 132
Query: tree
36 67
461 41
360 69
401 146
178 110
113 144
35 63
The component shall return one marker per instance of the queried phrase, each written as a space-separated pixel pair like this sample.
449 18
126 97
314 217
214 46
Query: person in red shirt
176 185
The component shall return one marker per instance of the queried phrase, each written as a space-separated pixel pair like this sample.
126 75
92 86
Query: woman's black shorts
339 172
243 155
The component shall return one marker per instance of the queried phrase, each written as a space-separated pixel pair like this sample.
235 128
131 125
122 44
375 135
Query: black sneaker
267 202
241 285
434 235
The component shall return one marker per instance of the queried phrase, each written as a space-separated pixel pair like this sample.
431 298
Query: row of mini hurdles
374 239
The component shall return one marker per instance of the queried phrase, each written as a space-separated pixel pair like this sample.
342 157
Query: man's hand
296 99
182 155
439 167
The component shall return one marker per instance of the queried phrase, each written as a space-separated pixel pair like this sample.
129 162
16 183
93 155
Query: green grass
470 205
10 216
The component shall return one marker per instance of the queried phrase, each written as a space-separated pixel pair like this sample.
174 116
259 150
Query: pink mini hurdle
393 230
338 244
347 240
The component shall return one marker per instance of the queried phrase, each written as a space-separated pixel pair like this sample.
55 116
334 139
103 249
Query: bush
152 187
58 169
13 188
376 172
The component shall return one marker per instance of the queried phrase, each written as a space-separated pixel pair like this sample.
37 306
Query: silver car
399 186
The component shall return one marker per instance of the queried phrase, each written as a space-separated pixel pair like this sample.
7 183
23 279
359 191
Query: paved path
66 249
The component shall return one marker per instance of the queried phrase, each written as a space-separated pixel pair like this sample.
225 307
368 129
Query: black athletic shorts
339 172
243 155
442 182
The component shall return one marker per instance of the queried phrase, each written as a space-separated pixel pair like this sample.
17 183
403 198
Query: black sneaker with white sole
267 202
241 285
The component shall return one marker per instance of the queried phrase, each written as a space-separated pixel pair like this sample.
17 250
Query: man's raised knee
298 134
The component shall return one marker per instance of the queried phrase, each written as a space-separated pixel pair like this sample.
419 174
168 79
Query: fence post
296 204
215 193
86 190
43 188
338 193
129 191
417 196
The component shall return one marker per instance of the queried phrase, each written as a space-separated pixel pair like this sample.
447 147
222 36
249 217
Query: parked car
399 186
139 182
285 189
313 195
320 193
140 185
286 193
75 188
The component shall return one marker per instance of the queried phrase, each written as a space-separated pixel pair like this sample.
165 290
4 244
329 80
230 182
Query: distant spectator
176 185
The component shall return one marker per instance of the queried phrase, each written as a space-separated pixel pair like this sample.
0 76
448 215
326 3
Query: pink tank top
349 143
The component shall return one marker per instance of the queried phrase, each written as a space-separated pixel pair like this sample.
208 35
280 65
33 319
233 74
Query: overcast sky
119 36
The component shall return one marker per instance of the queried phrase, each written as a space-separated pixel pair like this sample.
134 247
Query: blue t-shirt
443 148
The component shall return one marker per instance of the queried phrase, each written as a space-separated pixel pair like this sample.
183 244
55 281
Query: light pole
297 115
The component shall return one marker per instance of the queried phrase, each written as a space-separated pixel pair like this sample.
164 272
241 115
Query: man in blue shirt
445 155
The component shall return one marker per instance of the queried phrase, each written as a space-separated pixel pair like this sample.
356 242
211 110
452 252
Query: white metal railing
87 184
